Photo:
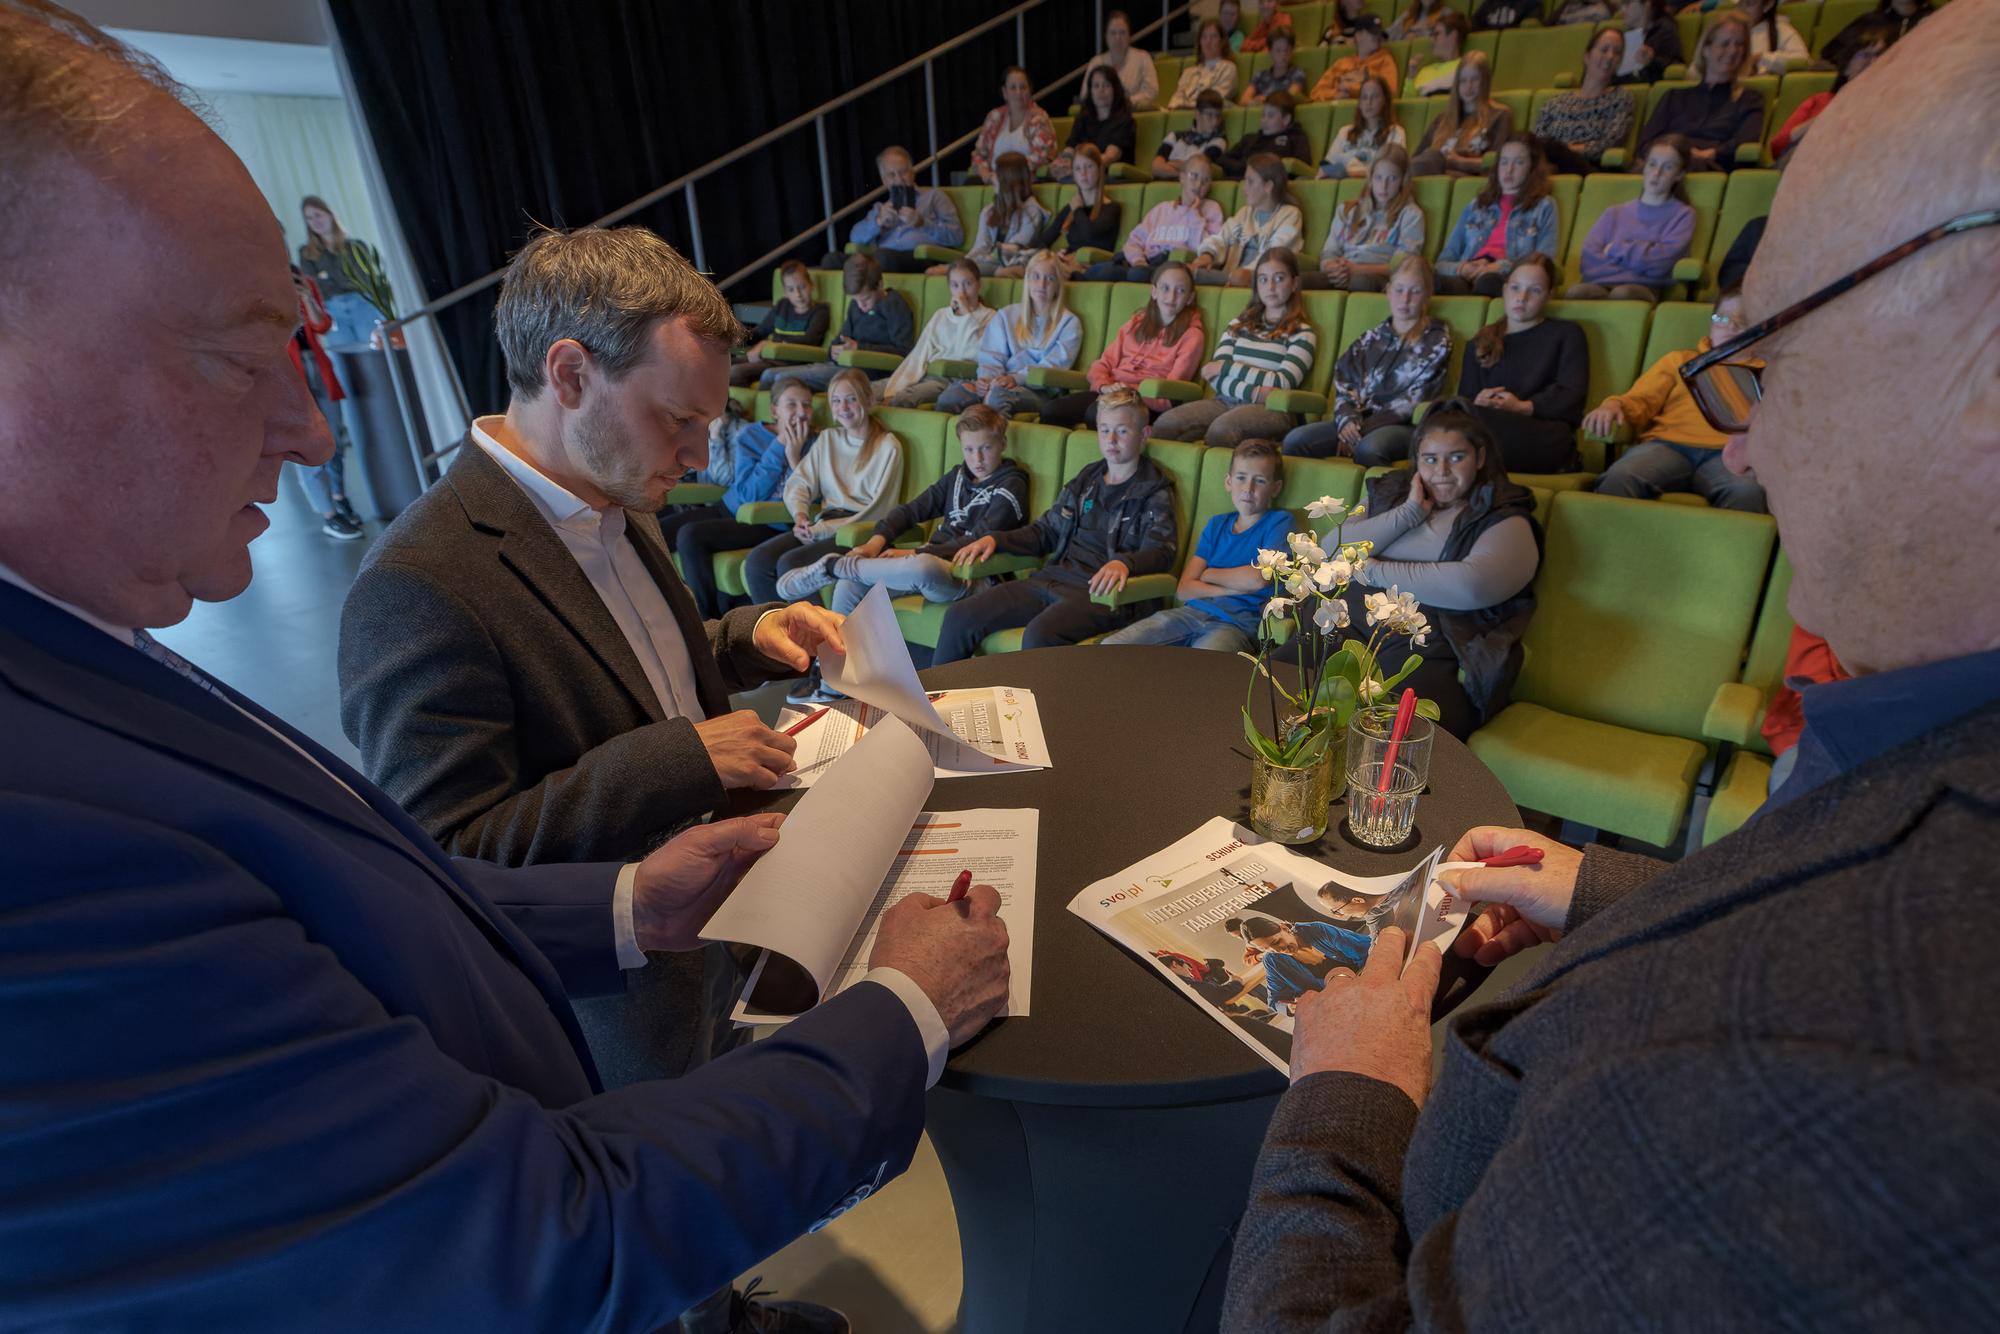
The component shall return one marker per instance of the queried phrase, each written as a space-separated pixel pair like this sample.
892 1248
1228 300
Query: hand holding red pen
1527 901
954 949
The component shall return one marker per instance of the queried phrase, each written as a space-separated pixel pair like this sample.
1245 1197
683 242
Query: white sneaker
796 585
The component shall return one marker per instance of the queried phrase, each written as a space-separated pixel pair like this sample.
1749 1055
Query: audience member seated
1809 661
1222 591
796 319
1089 221
1170 225
1269 220
1161 342
1382 377
1270 22
1581 11
1678 450
1906 13
1368 233
1229 17
1017 125
1268 347
1455 534
1038 330
1281 76
762 477
1104 122
747 460
1113 520
1652 41
1631 249
1278 133
1438 74
1576 129
1133 65
1212 71
1469 127
1203 139
987 493
1344 76
953 334
1775 45
1851 51
1344 19
911 216
1373 129
1512 217
1009 225
1525 376
849 475
1717 114
1422 18
877 320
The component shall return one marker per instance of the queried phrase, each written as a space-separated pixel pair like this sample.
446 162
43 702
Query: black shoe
346 510
748 1312
341 528
811 689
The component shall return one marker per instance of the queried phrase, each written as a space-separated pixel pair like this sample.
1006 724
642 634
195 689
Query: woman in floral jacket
1017 125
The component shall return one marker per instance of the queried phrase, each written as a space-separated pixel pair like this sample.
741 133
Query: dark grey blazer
496 700
1757 1092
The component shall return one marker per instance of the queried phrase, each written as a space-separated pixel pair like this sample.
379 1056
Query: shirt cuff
930 1025
622 929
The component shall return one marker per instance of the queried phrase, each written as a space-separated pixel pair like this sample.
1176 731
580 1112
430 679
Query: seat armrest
1090 254
1297 402
950 368
1673 73
937 254
1054 377
1174 391
1734 713
1615 159
1299 171
798 354
1749 155
764 511
996 565
857 248
1131 173
865 360
694 493
1139 588
1688 270
1566 79
1181 255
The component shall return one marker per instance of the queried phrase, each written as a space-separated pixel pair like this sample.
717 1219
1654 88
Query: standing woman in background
325 486
322 257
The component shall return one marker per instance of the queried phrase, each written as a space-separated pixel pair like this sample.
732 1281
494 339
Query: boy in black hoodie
984 494
1277 132
1113 520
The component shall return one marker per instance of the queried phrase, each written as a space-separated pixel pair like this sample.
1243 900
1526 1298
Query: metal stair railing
427 461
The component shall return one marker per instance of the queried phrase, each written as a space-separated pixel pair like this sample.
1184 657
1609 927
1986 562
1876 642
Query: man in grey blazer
1755 1089
520 664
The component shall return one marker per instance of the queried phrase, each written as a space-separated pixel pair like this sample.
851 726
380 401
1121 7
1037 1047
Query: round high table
1099 1150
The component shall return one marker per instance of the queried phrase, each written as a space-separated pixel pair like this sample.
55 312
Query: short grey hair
605 288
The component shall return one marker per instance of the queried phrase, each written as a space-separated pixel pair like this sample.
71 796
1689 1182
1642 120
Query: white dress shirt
596 538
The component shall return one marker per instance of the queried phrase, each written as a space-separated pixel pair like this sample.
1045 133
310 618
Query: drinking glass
1382 815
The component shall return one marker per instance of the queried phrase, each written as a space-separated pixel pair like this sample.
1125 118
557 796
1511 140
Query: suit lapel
530 548
643 530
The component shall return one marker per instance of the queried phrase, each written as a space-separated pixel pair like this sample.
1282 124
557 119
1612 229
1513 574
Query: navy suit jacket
269 1059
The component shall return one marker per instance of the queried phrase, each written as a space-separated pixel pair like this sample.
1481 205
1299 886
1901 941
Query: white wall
296 146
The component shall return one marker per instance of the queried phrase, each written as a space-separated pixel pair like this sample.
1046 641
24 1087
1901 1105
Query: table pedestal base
1090 1218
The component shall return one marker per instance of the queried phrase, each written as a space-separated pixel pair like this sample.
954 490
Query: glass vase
1289 804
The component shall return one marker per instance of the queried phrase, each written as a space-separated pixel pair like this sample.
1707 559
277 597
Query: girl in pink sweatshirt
1162 342
1176 224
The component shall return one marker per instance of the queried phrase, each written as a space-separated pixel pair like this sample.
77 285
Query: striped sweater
1253 360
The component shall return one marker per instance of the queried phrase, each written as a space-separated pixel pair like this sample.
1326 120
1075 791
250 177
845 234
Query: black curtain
492 116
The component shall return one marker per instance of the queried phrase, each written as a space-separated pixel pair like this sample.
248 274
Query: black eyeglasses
1726 388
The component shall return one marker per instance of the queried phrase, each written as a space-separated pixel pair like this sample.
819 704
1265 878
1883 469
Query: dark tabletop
1148 745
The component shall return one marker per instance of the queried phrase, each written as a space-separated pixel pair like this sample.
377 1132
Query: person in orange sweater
1371 56
1161 342
1269 21
1678 450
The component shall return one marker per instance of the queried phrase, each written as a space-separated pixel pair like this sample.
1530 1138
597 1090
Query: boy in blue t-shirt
1222 592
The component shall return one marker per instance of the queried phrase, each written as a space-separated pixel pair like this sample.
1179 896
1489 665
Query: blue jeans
929 575
815 375
1652 466
1006 402
1186 627
353 320
328 482
1378 449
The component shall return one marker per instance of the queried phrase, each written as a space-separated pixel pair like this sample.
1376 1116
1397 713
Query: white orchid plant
1337 674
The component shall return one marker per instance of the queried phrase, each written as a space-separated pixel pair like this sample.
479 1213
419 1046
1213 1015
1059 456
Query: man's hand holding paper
1376 1022
676 888
793 633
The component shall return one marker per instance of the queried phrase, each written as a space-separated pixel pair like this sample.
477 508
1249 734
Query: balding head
1878 440
147 398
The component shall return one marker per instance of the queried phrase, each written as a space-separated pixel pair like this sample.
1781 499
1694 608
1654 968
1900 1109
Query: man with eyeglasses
1755 1089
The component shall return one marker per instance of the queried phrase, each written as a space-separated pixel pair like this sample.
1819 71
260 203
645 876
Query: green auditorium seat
1793 89
1833 16
1531 58
970 201
1131 201
1748 195
1675 325
1148 128
1414 115
1736 715
1316 204
1642 611
1616 333
1603 189
1316 119
1089 301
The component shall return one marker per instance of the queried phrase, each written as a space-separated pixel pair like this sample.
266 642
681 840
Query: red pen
959 886
807 721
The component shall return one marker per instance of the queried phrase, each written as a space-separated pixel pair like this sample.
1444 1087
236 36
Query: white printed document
1244 927
994 730
853 845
